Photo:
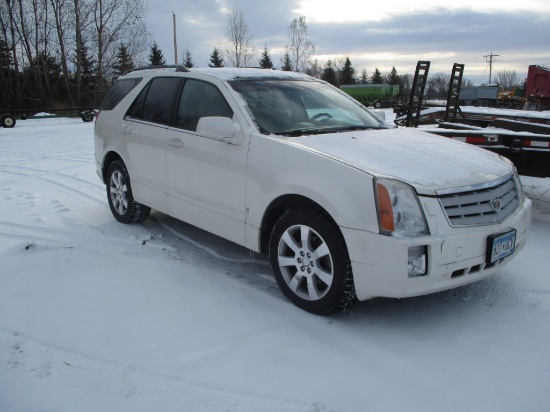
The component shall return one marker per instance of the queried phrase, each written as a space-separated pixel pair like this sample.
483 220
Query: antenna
490 56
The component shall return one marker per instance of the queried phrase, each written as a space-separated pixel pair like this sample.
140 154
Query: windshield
297 107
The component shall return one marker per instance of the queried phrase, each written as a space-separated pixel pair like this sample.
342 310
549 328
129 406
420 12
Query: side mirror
219 128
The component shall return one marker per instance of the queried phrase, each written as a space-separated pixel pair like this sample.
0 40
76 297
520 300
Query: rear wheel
8 121
87 116
119 193
377 104
311 262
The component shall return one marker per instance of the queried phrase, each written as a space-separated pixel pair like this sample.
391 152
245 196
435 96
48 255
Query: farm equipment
375 95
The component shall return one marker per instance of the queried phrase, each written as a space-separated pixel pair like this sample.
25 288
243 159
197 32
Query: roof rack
179 68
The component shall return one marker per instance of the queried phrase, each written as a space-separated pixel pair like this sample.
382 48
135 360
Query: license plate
500 245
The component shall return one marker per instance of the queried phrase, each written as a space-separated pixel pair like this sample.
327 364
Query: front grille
478 205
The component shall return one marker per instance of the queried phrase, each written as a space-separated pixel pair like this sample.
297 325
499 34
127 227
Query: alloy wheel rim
305 262
119 192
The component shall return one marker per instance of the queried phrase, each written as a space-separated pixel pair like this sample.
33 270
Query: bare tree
61 10
8 26
33 32
116 22
508 79
301 48
437 86
239 50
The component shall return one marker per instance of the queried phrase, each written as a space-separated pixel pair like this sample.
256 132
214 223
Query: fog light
418 261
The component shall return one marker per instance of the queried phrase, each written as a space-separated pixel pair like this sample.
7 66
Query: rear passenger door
144 129
206 177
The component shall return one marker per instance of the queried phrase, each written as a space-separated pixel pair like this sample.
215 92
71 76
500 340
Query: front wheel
119 193
311 262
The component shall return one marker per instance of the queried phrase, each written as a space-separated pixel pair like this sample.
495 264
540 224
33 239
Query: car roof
222 73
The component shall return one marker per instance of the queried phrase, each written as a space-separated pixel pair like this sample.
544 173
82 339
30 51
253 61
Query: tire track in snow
98 200
253 270
74 368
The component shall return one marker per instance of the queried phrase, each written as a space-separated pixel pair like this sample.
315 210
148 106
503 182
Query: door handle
126 129
175 142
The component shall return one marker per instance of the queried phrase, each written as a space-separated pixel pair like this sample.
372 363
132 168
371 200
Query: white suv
287 165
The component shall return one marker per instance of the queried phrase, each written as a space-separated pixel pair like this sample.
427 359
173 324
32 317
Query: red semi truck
537 87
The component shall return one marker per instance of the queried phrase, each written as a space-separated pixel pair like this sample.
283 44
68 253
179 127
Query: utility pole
490 56
175 43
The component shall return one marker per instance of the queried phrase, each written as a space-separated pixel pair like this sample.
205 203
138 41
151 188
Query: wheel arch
279 206
109 158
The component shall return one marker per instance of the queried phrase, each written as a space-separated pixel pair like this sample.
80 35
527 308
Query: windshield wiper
300 132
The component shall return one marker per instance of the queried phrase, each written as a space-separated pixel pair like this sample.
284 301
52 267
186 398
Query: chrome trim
472 202
478 186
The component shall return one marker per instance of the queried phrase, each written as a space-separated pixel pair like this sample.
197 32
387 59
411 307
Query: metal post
175 42
490 56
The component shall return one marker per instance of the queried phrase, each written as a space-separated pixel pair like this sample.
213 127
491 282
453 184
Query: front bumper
456 256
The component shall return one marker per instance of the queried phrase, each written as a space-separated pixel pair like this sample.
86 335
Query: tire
119 194
87 116
314 274
377 104
8 121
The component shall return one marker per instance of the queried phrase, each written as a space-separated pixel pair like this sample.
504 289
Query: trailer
484 95
520 135
8 117
477 116
376 95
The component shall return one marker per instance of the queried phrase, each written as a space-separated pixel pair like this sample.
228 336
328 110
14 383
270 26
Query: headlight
399 211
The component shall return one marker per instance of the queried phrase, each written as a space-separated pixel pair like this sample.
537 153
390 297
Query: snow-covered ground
100 316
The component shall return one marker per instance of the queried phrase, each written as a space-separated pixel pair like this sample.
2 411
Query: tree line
66 53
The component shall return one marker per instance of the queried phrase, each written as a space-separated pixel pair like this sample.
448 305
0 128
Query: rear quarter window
154 102
117 92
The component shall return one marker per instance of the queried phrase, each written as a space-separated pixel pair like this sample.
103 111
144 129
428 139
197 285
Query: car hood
423 160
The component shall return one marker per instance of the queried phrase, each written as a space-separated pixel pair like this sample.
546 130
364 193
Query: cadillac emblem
496 204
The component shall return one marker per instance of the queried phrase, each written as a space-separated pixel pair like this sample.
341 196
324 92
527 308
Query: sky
372 34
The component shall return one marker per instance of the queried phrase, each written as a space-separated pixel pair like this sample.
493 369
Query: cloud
443 35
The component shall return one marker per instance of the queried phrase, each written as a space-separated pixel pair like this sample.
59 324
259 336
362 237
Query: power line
490 56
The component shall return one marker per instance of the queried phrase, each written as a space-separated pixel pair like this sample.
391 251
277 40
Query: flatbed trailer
8 117
526 144
478 116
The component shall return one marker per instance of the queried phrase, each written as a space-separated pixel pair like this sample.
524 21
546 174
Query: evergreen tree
87 79
188 59
347 74
124 61
265 60
329 74
364 79
155 57
216 59
393 77
377 77
286 63
7 74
